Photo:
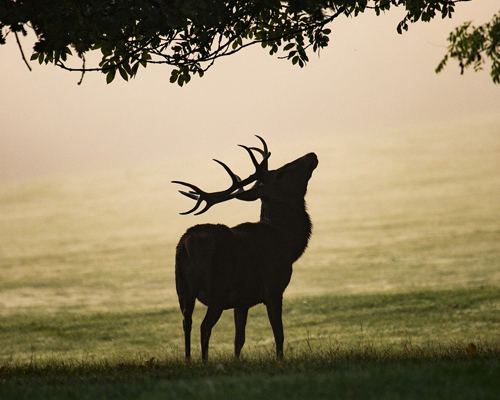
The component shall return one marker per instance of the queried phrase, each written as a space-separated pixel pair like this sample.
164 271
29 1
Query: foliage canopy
190 35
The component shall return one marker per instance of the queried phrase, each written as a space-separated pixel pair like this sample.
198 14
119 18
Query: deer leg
211 318
274 312
240 321
187 307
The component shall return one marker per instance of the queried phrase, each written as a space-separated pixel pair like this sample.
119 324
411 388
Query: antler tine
196 194
235 178
200 195
264 155
210 202
237 185
198 202
258 150
196 189
249 150
264 152
207 206
191 195
264 144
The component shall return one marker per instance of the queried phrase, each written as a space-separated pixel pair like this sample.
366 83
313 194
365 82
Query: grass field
397 297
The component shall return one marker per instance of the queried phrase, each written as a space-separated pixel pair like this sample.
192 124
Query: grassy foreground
415 373
397 297
396 372
427 344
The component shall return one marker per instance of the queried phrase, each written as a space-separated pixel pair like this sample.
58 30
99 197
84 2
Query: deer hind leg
240 321
211 317
187 307
187 300
274 312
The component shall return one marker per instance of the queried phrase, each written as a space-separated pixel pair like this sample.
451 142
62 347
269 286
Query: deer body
251 263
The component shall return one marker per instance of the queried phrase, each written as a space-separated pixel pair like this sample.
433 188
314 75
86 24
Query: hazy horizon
369 79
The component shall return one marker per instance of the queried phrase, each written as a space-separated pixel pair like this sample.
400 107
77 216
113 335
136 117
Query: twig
21 50
83 70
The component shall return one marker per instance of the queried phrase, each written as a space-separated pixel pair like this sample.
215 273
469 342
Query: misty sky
367 80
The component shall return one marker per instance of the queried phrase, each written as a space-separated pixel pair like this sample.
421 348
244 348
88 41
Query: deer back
233 267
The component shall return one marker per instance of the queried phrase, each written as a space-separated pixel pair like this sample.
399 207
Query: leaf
442 64
135 68
174 75
126 67
106 51
110 75
123 74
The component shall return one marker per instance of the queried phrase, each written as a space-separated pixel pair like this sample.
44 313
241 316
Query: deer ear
251 194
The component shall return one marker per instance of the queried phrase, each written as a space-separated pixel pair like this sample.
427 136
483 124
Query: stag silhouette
250 263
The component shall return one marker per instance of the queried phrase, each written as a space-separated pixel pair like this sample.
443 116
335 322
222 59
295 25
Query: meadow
397 297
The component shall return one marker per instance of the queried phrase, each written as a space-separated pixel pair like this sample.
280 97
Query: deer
248 264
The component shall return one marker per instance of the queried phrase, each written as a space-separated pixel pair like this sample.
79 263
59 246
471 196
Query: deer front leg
211 318
274 312
240 322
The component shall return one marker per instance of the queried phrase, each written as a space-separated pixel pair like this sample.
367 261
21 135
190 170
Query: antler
237 185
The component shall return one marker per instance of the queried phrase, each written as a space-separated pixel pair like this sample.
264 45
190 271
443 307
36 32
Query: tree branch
21 50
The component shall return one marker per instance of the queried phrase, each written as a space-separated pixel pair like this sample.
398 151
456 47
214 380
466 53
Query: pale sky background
369 79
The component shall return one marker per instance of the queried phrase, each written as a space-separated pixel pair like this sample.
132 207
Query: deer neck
291 220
